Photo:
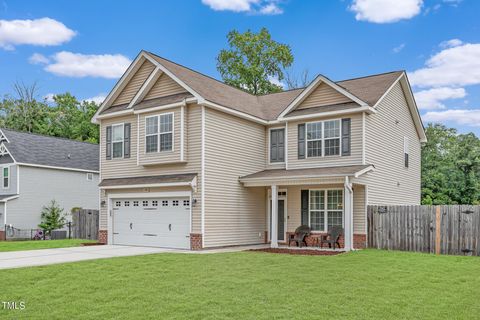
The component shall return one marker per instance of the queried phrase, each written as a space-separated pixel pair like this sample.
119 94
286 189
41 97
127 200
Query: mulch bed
298 251
87 244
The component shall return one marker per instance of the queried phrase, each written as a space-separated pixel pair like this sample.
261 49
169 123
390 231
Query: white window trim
284 144
123 140
325 209
323 138
8 177
158 134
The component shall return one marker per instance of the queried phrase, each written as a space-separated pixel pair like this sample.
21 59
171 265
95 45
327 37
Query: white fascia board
4 135
152 185
366 109
55 168
10 198
115 114
232 111
363 171
182 103
146 86
319 79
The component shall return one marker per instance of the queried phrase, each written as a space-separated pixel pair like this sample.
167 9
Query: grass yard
367 284
39 244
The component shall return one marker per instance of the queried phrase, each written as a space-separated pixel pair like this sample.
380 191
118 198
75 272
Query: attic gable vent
3 150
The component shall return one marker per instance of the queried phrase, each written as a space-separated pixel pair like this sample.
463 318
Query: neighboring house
187 161
37 169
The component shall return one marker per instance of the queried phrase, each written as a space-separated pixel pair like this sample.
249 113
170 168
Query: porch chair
299 236
332 237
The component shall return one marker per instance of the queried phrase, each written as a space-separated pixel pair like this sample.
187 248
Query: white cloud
399 48
40 32
270 9
77 65
432 98
470 117
49 97
266 7
451 43
457 66
277 82
385 11
97 99
38 58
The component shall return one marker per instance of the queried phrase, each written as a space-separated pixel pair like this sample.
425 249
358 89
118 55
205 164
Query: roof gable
164 86
323 95
133 85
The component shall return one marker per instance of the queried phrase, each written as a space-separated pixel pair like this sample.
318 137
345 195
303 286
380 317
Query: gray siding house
187 161
36 169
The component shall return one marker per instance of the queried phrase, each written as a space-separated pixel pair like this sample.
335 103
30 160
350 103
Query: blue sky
83 47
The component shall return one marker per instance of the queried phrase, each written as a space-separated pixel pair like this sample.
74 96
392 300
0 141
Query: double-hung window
277 145
117 140
159 133
6 177
323 138
325 209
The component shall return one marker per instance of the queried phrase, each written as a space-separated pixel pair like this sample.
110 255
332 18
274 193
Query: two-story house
36 169
187 161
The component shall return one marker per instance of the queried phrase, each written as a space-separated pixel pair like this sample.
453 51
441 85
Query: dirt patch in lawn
298 251
88 244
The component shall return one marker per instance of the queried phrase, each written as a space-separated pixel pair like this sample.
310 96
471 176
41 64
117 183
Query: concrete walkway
42 257
30 258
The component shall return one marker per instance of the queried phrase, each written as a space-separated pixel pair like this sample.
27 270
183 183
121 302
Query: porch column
348 212
274 218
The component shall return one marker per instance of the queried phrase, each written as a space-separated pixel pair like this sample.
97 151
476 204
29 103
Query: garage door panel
152 222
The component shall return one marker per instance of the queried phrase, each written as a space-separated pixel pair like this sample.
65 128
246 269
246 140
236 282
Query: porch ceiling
304 176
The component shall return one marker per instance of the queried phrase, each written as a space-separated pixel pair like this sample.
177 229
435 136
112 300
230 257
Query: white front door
154 222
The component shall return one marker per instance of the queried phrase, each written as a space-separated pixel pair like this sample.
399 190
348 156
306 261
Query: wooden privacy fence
452 229
85 224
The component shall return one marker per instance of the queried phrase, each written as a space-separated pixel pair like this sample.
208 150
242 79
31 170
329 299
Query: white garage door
154 222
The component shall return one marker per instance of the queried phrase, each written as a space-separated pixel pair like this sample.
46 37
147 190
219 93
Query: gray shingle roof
310 172
369 89
169 178
51 151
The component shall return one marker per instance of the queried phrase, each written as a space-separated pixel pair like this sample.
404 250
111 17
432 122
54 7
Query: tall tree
253 60
450 167
296 81
65 117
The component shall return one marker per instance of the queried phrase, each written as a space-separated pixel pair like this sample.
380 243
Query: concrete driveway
30 258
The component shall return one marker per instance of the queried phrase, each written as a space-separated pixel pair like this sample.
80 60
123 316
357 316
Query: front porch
319 198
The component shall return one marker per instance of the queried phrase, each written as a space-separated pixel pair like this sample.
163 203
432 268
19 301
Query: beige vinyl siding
294 205
391 182
359 209
134 84
323 95
274 165
354 158
164 156
165 86
234 147
118 168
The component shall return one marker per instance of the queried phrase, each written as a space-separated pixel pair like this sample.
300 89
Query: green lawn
39 244
366 284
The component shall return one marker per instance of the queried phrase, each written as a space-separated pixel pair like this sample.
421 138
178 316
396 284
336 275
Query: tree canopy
64 117
450 167
253 61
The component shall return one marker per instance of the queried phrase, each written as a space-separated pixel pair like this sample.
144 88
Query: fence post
69 230
437 230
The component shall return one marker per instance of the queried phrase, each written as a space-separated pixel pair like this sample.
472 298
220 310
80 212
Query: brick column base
196 241
2 235
359 240
103 236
